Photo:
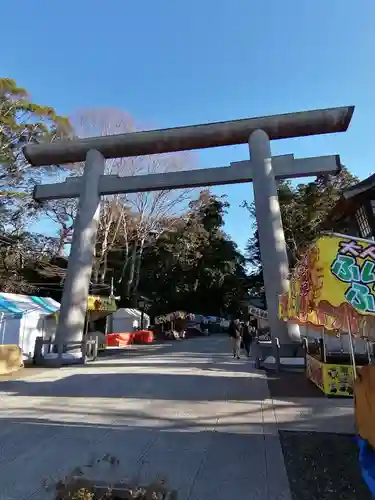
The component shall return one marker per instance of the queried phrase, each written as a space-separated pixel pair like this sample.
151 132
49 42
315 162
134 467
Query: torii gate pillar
271 234
73 307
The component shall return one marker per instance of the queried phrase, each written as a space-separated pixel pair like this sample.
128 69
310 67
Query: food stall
98 308
331 294
173 324
261 323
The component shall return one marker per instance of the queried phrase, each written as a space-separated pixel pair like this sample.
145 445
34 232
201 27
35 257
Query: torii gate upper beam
301 124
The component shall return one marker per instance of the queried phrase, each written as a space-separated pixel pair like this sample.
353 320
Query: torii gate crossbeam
284 167
262 170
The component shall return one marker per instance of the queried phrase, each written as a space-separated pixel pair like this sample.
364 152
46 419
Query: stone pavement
185 412
333 415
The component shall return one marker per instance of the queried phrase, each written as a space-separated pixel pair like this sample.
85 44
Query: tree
62 213
195 266
23 122
304 208
24 253
127 221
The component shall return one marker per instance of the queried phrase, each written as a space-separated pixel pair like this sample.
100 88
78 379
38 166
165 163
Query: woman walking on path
235 332
247 336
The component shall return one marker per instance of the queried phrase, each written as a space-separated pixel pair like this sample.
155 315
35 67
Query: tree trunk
138 267
62 239
107 223
103 268
130 279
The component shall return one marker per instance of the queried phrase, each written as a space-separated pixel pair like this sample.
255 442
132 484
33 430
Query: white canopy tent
23 318
127 320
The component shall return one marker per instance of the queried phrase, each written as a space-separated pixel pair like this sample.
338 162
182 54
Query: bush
75 486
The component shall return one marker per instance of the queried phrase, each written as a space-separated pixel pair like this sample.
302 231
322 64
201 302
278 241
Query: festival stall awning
98 307
97 303
173 316
333 283
17 304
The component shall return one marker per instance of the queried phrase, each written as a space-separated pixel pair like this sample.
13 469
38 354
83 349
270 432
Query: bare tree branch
127 220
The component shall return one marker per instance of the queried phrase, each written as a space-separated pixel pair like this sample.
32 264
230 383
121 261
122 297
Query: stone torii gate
262 170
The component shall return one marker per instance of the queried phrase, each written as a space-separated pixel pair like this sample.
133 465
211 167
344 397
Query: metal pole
324 345
271 235
351 347
142 317
368 351
76 287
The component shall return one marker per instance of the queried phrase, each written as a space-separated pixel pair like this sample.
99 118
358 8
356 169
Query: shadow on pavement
197 459
179 387
204 464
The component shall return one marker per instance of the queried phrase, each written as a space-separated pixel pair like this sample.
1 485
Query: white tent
23 318
128 320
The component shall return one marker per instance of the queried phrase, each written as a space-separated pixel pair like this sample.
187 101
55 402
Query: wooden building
354 213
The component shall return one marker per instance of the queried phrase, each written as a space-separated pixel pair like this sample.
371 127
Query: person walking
235 332
247 336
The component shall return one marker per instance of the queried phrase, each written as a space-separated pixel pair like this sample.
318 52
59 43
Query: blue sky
172 63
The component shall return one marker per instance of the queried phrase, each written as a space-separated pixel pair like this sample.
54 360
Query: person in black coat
235 332
247 336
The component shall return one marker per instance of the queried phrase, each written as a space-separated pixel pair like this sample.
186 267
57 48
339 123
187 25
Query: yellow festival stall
99 307
332 292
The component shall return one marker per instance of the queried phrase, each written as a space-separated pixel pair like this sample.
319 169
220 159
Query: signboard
98 303
334 280
332 379
258 313
173 316
314 372
338 380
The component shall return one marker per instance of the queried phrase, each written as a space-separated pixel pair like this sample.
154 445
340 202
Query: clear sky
175 62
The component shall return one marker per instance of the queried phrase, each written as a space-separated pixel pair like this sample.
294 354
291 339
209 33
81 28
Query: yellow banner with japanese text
333 282
98 303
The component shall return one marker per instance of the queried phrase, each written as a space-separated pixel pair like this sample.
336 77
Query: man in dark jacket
235 332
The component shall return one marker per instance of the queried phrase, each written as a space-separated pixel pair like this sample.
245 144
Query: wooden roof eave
360 188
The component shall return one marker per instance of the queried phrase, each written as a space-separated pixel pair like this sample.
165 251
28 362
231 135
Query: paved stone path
185 412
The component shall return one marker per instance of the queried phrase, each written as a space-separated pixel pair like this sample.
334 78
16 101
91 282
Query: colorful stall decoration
99 307
174 316
98 303
332 379
332 290
334 283
173 325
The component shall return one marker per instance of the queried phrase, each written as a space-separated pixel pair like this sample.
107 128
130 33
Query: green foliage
195 266
304 209
22 122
